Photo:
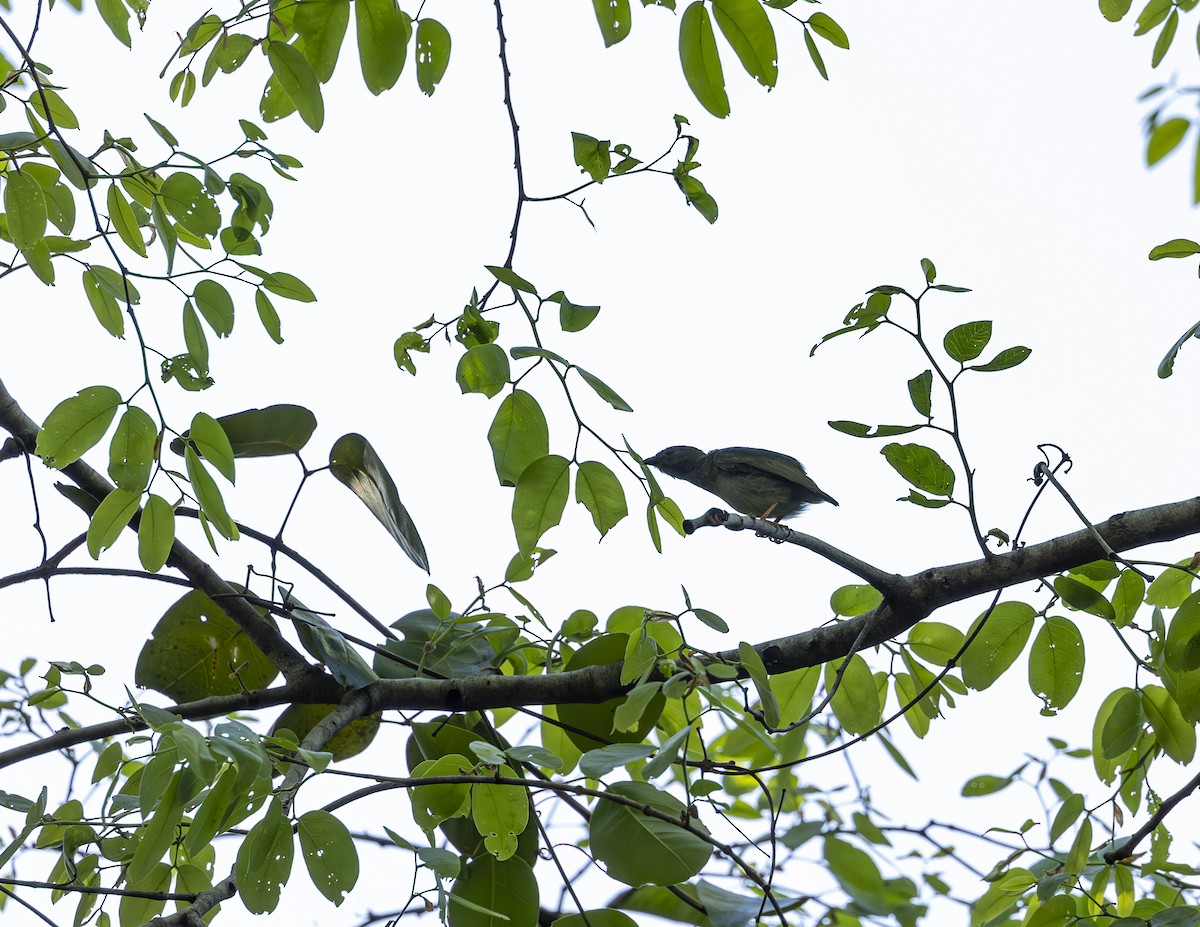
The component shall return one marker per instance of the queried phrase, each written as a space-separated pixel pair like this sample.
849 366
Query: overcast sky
1004 146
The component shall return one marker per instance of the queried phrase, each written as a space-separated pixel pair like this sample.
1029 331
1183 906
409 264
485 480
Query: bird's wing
734 458
781 465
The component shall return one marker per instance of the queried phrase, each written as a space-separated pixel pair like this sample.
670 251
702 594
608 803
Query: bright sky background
1006 147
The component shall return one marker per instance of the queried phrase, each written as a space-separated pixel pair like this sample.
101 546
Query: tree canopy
356 683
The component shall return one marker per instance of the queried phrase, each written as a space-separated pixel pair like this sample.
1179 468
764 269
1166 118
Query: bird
754 481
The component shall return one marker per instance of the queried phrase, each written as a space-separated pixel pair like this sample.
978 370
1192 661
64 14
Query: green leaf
698 197
383 34
483 369
598 488
1123 726
322 25
1083 597
329 854
1167 365
747 29
210 440
493 893
299 81
1182 650
216 305
433 54
354 462
116 16
966 342
500 813
753 664
124 221
194 338
700 60
614 19
1127 597
1009 357
1172 586
1056 662
184 198
104 305
855 703
921 466
121 287
268 316
518 436
165 229
1176 735
1165 138
998 645
212 504
1175 248
25 209
76 425
156 533
158 834
859 430
830 31
506 276
76 167
638 849
573 318
920 392
264 860
131 452
1114 10
815 54
192 648
1163 44
327 644
110 519
593 156
289 287
936 642
269 432
539 499
604 391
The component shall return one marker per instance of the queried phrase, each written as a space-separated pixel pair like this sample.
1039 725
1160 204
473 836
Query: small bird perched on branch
752 480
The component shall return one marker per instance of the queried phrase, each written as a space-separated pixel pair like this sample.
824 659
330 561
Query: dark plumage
755 482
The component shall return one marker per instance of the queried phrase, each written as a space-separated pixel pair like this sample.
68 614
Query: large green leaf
25 209
540 497
197 651
483 369
700 60
322 25
614 19
269 432
329 854
966 342
216 305
433 54
921 466
998 645
598 488
491 893
76 425
110 519
639 849
518 436
264 860
354 462
855 701
745 25
1056 662
1176 734
383 34
299 81
185 199
131 451
328 645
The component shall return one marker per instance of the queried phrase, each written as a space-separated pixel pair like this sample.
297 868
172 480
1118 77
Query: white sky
1005 147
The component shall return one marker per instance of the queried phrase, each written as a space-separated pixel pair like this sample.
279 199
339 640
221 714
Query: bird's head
679 461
